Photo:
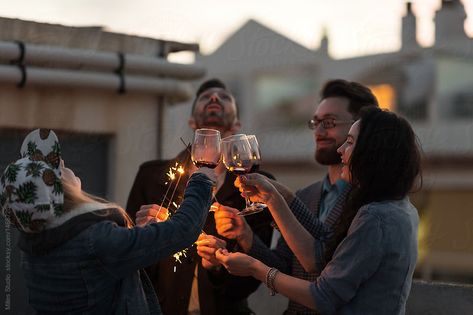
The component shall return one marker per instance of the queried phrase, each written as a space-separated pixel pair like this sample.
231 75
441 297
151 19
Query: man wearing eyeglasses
340 104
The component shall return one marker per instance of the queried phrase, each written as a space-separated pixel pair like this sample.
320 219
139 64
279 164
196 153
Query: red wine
200 164
238 170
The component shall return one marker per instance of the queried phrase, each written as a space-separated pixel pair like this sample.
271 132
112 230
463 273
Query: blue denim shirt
330 194
371 270
97 271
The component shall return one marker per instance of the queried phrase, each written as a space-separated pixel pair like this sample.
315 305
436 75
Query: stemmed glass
238 159
206 151
256 156
206 148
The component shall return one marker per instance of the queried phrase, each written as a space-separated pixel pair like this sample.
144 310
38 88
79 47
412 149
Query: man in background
339 106
196 286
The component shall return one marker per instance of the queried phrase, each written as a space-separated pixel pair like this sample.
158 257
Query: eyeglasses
221 94
327 123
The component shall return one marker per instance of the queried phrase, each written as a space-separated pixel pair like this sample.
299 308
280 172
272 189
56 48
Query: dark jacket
219 292
91 263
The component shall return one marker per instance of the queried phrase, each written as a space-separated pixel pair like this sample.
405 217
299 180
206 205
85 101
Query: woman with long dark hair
81 253
374 248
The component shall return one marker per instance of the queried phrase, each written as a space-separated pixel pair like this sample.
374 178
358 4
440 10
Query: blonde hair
74 197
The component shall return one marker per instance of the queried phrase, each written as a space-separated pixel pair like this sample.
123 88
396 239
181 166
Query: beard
217 120
328 156
213 119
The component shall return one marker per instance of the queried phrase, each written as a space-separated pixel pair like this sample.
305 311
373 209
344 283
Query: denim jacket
97 271
371 270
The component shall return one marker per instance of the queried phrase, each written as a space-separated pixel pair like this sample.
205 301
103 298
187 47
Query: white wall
130 119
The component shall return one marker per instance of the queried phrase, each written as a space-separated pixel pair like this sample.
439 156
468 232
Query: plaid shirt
305 207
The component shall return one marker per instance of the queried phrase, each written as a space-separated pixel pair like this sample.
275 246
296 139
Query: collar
44 242
339 185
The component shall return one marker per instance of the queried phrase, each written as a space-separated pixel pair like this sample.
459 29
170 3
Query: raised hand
238 264
257 187
232 226
207 245
150 214
228 223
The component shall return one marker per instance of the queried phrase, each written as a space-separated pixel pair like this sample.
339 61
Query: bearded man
340 103
196 285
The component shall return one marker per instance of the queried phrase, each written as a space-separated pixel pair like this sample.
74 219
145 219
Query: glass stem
248 202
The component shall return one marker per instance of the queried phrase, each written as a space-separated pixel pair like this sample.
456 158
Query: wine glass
206 151
206 148
238 159
256 155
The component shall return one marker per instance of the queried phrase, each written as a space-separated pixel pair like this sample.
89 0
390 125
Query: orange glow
386 95
162 215
422 243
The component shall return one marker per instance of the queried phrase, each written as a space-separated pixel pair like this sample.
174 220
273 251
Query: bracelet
270 276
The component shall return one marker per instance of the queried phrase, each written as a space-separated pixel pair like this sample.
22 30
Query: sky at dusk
354 27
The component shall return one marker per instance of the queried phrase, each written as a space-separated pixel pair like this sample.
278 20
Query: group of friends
348 241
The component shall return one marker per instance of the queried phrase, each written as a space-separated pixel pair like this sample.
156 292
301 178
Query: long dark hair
384 165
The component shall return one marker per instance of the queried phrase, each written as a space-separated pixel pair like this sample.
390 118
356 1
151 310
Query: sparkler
171 177
180 170
171 174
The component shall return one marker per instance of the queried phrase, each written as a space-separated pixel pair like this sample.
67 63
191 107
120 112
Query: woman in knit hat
81 253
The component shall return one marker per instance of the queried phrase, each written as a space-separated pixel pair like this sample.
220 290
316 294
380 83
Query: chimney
323 48
450 22
408 39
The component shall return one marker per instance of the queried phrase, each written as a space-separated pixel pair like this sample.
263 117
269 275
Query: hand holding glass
256 156
238 159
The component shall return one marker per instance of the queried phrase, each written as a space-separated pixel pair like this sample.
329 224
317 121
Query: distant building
277 80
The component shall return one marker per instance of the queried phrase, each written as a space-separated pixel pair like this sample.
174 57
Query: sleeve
123 250
280 257
356 259
316 228
309 220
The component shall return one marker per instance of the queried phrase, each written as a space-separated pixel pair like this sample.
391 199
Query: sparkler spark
177 256
171 174
180 170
